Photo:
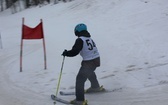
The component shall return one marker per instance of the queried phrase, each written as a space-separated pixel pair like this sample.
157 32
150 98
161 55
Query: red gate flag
32 33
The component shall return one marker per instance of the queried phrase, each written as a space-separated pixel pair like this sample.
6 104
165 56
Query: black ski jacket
77 47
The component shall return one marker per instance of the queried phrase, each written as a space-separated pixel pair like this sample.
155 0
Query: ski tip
53 96
61 92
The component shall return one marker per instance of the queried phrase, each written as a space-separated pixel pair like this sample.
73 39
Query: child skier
91 60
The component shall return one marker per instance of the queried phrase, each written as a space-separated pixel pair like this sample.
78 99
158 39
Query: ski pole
58 85
1 40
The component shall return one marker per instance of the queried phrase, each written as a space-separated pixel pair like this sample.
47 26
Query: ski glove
64 53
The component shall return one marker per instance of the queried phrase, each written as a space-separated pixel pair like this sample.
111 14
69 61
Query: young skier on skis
91 60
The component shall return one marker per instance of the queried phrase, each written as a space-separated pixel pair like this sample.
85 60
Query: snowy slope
131 36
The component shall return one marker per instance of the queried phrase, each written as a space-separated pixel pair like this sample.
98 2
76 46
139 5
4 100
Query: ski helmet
80 27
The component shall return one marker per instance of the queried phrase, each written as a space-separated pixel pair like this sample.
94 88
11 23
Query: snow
131 36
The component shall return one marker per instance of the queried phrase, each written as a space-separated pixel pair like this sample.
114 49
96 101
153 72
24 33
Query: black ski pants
87 71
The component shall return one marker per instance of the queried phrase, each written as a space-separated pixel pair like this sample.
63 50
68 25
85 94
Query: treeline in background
18 5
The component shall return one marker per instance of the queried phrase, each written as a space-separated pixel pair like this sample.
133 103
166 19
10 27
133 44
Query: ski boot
75 102
94 90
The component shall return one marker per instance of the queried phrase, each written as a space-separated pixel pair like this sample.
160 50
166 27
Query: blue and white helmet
80 27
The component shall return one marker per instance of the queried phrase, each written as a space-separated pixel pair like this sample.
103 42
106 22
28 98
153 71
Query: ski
64 93
63 101
60 100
